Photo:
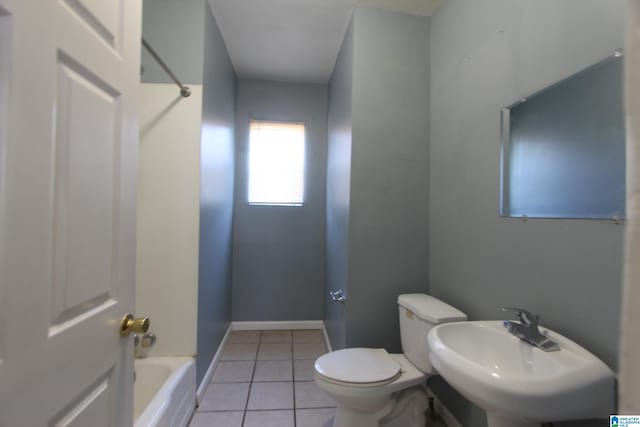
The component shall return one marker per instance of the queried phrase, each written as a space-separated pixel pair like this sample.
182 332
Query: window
276 163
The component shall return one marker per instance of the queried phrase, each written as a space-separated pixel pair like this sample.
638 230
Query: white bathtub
164 393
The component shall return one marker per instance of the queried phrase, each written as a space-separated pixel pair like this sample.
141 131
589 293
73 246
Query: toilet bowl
374 388
368 399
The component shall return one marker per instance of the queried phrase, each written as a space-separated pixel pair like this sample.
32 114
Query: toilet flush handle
338 296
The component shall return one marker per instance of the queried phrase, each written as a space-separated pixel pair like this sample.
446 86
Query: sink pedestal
499 420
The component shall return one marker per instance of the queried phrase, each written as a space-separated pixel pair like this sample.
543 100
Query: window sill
277 204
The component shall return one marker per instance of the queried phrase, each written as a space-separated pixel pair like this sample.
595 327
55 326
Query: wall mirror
563 148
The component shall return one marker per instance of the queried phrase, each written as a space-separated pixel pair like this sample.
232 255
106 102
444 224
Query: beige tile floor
265 379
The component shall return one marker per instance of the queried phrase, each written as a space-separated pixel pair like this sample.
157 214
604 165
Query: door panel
85 200
67 219
102 17
91 408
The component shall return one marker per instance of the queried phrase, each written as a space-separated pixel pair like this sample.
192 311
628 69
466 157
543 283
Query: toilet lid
358 365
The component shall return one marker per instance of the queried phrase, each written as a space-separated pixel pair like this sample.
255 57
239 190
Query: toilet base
404 409
499 420
409 410
347 418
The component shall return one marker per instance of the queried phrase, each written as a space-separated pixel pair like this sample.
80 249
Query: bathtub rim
180 367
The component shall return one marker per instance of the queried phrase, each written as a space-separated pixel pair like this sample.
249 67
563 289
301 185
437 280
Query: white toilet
374 388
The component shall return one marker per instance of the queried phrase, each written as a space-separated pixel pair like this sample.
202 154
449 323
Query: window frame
248 165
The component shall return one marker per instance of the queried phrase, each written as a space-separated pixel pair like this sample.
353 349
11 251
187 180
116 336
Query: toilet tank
419 313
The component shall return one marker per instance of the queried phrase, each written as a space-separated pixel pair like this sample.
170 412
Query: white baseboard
202 388
267 326
442 410
326 337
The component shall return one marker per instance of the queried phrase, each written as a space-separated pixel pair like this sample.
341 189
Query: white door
69 77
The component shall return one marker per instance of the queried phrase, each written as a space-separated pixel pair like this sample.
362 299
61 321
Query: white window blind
276 163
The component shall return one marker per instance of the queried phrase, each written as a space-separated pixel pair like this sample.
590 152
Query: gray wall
216 196
484 56
387 200
388 246
338 188
279 251
176 31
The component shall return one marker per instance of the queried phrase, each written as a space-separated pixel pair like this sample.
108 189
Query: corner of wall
216 195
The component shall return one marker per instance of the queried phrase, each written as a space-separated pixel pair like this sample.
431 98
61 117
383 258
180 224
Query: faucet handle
338 296
525 316
148 340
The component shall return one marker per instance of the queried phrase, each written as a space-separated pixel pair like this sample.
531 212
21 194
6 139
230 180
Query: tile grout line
216 411
293 383
253 373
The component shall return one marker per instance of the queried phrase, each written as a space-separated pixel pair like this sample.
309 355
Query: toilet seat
365 367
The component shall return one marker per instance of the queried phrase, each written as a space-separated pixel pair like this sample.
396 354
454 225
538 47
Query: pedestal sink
517 384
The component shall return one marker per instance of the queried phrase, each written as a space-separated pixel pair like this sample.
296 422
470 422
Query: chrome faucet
338 296
143 343
527 330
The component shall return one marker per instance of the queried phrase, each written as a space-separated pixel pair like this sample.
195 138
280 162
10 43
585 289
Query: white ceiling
293 40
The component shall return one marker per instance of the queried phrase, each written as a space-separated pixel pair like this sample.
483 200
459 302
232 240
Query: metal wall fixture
338 296
184 90
143 343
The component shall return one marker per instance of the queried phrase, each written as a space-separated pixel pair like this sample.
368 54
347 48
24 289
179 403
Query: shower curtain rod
184 90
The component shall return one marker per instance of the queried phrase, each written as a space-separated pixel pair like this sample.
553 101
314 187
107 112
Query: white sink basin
516 383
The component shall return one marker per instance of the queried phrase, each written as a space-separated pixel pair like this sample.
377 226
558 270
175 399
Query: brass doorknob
138 326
